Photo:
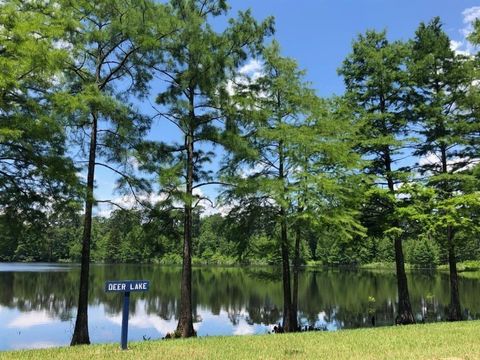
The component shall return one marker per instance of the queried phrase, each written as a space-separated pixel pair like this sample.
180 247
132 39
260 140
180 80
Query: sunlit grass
466 269
433 341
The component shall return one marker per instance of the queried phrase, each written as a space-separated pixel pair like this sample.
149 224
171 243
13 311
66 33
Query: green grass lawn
434 341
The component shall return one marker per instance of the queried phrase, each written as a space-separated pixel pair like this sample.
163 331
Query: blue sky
319 34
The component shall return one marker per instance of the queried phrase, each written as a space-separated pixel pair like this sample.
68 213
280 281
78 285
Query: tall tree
327 185
272 107
111 45
375 82
472 100
441 80
35 173
198 63
288 164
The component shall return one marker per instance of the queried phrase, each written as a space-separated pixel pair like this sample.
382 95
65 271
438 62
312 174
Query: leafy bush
170 259
423 253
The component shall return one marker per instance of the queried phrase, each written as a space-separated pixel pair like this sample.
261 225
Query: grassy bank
464 266
383 266
468 269
432 341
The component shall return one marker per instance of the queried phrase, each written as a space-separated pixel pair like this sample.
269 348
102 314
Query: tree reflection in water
225 300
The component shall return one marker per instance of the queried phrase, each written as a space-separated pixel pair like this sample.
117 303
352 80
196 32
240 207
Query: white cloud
230 87
248 73
244 329
30 319
252 170
429 159
252 68
62 45
434 159
211 207
222 209
133 162
128 202
457 47
142 320
464 47
82 175
469 16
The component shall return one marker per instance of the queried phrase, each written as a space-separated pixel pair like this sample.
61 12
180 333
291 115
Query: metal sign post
126 305
126 286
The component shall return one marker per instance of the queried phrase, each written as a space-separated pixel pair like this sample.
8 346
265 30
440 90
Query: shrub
424 254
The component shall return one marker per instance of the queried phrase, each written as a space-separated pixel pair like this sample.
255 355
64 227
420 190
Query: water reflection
37 301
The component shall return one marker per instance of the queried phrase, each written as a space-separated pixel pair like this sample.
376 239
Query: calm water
37 301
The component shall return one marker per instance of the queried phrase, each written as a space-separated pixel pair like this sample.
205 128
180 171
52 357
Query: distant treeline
136 236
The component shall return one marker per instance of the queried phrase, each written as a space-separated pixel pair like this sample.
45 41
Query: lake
37 301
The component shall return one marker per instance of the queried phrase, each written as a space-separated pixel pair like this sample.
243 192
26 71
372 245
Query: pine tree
471 103
198 62
440 83
376 85
111 46
295 160
36 176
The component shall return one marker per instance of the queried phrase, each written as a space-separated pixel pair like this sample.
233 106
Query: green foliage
441 78
335 250
385 251
376 88
422 253
299 169
111 50
36 175
198 63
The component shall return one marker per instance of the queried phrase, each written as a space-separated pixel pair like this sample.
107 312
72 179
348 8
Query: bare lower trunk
185 321
405 313
289 321
80 333
296 269
454 310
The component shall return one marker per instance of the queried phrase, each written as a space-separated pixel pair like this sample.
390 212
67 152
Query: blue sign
126 286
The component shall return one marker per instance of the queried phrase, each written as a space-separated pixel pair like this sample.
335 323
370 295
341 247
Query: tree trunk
405 313
454 310
289 321
185 321
296 269
80 334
